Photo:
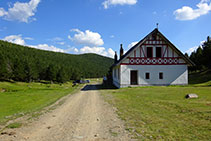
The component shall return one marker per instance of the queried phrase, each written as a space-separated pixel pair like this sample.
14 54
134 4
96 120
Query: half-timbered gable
152 61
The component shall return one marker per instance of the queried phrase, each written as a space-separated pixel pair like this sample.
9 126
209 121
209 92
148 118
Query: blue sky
100 26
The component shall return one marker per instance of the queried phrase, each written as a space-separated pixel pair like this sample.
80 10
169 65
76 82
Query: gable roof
190 63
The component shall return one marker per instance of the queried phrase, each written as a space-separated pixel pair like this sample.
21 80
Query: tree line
27 64
202 56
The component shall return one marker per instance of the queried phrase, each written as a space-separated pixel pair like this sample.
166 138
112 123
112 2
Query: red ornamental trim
142 61
153 64
170 61
165 61
148 61
154 58
138 61
160 61
131 61
153 61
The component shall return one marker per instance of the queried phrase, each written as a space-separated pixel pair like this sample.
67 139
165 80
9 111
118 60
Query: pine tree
199 58
30 71
61 75
51 73
207 52
18 71
3 68
186 55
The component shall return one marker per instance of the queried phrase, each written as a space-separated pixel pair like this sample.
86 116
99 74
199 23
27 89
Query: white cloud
88 38
2 12
47 47
22 12
28 38
108 3
132 44
17 39
202 42
61 43
97 50
188 13
190 50
92 42
72 49
111 53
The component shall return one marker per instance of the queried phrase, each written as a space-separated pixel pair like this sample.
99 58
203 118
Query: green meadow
18 99
163 112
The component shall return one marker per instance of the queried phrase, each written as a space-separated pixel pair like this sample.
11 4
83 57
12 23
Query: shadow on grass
98 87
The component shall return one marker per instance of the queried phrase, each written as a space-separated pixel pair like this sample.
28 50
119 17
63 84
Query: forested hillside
202 56
27 64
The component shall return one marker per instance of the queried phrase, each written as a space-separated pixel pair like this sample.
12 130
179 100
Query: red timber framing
154 60
170 55
135 53
166 50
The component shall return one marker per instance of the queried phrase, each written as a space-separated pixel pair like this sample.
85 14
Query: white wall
172 74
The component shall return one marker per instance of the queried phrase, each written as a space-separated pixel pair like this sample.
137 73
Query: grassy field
18 99
163 113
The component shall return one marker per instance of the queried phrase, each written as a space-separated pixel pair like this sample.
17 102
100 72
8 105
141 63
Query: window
160 75
158 52
149 52
147 75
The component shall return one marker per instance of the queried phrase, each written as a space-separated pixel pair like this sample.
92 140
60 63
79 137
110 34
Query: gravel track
83 116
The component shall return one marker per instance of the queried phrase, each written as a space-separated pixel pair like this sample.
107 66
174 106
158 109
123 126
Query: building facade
152 61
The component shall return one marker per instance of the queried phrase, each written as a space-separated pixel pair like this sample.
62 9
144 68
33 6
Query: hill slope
200 77
21 63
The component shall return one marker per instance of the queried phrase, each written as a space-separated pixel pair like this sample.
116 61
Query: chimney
208 38
115 58
121 51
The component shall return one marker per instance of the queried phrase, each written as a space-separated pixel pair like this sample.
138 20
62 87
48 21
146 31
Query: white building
152 61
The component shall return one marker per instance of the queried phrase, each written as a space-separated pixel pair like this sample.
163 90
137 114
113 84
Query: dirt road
83 116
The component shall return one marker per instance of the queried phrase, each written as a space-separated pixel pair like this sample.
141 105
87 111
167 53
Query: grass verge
163 113
18 99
